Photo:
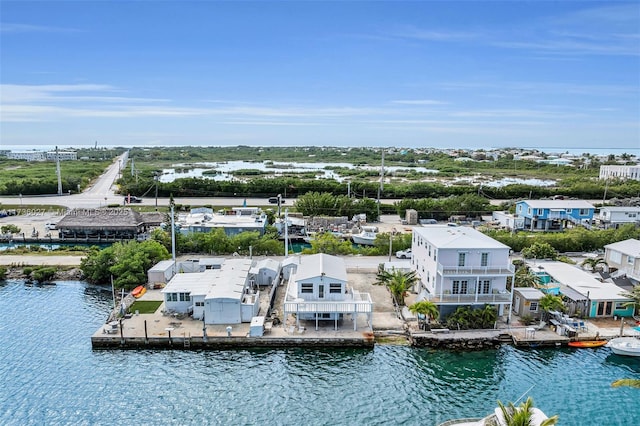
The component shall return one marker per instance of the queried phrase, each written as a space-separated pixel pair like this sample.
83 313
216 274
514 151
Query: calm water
49 375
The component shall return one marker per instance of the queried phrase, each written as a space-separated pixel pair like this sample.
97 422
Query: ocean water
49 375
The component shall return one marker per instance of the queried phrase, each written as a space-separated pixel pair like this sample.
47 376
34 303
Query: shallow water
50 375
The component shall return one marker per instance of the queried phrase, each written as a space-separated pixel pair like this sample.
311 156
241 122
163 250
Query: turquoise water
49 375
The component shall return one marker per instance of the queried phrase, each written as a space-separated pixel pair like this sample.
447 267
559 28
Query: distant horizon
546 150
560 75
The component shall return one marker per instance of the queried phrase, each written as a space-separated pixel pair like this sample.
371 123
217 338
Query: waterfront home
317 290
620 172
460 266
625 257
219 296
553 215
584 294
233 222
526 301
614 217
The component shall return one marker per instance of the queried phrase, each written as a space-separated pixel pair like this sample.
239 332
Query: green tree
634 294
592 263
10 229
426 308
398 282
550 302
3 273
522 415
524 278
539 250
328 243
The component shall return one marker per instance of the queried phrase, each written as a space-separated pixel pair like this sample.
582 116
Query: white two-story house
625 257
460 266
317 290
615 217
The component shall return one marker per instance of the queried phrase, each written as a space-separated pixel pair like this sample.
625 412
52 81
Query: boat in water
537 418
138 291
366 236
626 346
588 343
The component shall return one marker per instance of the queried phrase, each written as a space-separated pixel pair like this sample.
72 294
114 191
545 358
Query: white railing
492 298
475 270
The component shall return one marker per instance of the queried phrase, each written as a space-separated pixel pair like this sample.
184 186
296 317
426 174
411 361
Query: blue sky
464 74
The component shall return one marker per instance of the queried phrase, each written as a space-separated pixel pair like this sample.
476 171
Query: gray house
526 301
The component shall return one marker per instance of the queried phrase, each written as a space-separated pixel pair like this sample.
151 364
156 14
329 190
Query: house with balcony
233 222
625 257
554 215
615 217
460 266
317 290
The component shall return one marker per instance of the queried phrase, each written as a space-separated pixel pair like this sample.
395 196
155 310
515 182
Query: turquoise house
583 293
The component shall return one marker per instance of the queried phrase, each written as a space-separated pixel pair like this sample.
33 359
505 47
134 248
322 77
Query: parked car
404 254
132 199
274 200
50 226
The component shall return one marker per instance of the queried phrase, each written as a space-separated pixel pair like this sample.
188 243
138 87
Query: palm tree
550 302
426 308
592 263
522 415
397 282
524 278
634 294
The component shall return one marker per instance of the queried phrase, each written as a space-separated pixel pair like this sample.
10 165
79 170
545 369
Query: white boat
627 346
537 418
367 235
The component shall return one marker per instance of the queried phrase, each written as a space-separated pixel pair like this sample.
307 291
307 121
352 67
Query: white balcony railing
475 270
359 303
468 299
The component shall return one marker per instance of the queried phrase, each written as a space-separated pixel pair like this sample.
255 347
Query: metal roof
457 237
316 265
557 204
629 247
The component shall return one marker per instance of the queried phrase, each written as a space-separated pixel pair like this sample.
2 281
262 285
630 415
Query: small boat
367 236
588 343
626 346
139 291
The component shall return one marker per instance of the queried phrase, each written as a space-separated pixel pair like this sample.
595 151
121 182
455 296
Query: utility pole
286 233
58 172
173 238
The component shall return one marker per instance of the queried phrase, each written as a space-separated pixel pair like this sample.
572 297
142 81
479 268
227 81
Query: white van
50 226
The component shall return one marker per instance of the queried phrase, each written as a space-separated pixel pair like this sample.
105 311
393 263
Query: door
516 308
321 291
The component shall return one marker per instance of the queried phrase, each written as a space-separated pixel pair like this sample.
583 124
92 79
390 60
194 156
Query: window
569 210
459 287
335 288
172 297
621 305
533 307
306 288
584 212
199 303
630 260
484 286
539 212
184 297
461 258
484 259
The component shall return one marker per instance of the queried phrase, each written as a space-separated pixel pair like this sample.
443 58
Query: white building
620 172
625 257
460 266
62 155
317 290
220 296
161 273
239 219
614 217
27 155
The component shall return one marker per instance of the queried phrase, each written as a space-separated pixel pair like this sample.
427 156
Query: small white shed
161 273
256 329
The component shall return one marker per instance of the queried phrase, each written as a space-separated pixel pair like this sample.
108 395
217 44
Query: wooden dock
533 338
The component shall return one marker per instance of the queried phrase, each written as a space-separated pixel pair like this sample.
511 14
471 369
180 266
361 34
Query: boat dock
533 338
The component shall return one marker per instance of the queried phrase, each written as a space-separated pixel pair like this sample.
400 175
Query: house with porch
583 293
317 290
553 215
615 217
460 266
625 257
217 296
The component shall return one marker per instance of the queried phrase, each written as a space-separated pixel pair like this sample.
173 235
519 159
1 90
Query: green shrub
27 271
44 274
3 273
